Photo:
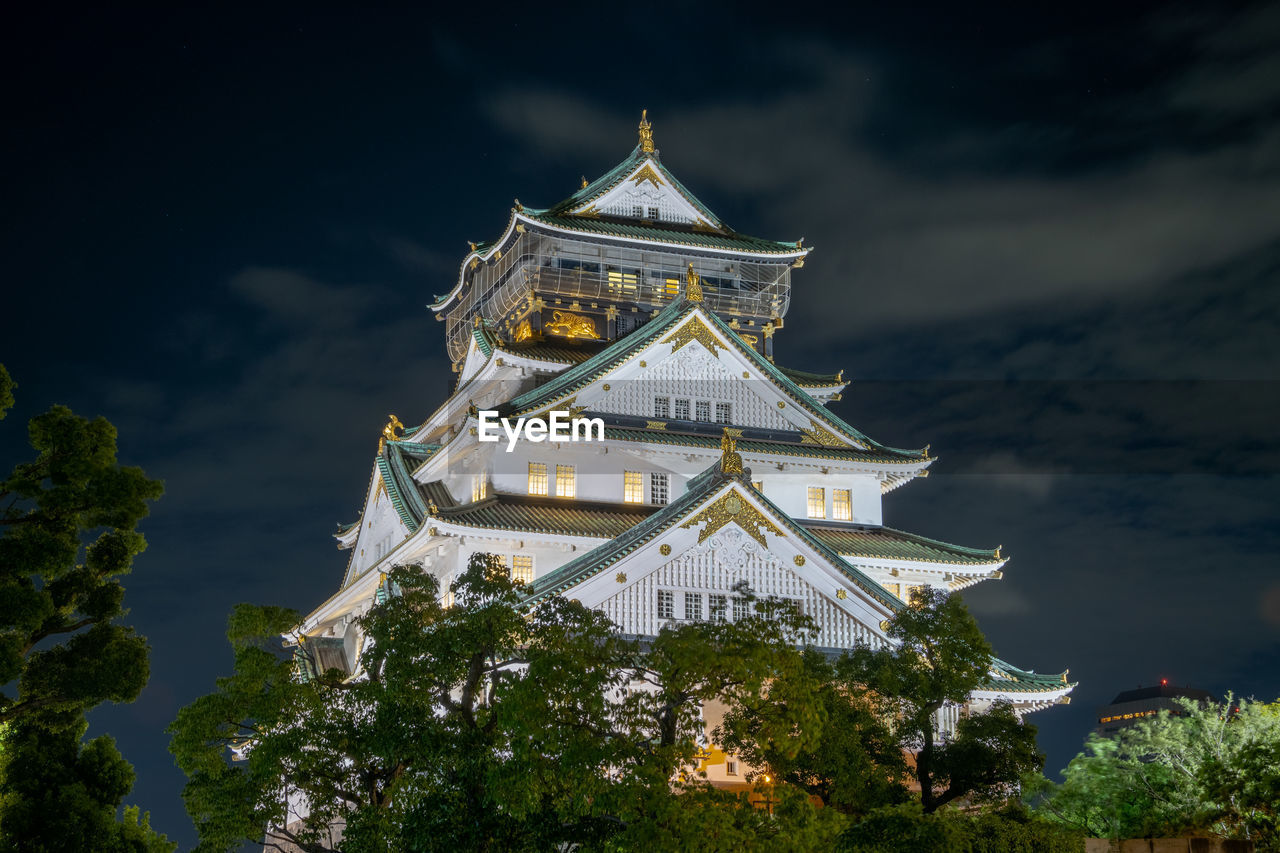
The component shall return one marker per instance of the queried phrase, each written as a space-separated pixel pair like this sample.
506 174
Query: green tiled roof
662 233
562 353
586 372
1010 679
396 464
699 489
548 515
887 543
746 445
812 380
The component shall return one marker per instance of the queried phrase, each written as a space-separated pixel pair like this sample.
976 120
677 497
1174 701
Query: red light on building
1164 682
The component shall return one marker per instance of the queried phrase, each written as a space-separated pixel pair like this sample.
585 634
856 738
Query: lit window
817 502
565 486
693 606
741 609
537 478
522 568
479 489
724 413
622 282
662 407
719 608
659 489
632 487
704 411
672 286
894 588
841 505
666 604
682 410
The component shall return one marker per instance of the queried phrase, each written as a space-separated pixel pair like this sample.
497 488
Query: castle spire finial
646 133
693 286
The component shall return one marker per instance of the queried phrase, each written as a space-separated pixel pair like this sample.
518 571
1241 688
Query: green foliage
67 534
907 829
1208 770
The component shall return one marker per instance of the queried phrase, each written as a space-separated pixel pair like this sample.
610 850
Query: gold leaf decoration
691 331
732 508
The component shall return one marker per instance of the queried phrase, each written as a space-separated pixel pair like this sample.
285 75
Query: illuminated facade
632 302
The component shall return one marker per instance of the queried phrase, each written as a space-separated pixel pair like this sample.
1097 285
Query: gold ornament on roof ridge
732 508
646 133
389 432
730 459
694 330
693 288
817 435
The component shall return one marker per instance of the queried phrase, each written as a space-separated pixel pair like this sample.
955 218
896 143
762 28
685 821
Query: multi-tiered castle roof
632 302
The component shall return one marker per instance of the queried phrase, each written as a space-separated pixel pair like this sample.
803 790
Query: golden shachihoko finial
730 460
646 133
693 288
389 432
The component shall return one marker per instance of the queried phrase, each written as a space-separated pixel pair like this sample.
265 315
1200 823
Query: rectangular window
693 606
637 210
731 767
894 588
479 489
671 286
719 608
682 410
632 487
841 505
741 609
565 485
666 604
537 478
724 413
522 568
817 502
662 407
659 489
704 411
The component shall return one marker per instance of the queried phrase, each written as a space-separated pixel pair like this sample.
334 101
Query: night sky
1047 244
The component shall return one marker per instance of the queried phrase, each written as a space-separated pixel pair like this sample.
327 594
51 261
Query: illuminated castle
633 302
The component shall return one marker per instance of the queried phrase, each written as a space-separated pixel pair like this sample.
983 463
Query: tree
1209 768
68 533
939 659
484 725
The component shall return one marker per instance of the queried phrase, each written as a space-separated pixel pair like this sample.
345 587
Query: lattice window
724 413
741 609
659 489
632 487
522 568
662 407
566 485
719 608
682 410
817 502
537 478
666 604
703 409
693 606
842 505
653 213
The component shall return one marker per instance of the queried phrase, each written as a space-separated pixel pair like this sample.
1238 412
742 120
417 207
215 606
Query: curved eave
518 217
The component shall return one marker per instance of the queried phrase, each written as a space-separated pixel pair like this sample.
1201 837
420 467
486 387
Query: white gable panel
693 374
646 187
